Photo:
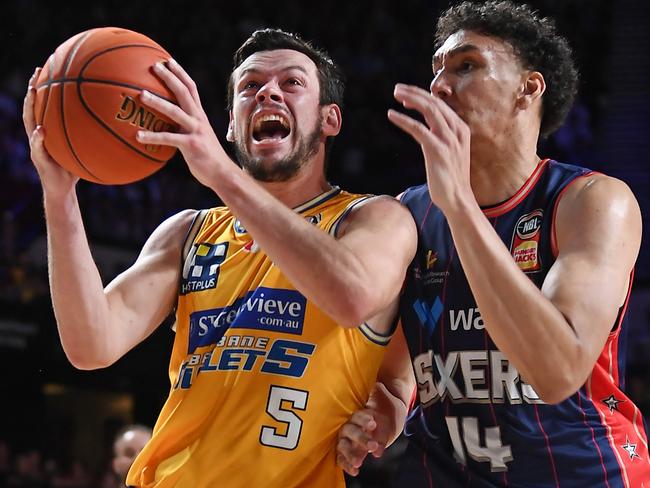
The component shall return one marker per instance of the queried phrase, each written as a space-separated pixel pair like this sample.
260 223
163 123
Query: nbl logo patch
525 241
201 269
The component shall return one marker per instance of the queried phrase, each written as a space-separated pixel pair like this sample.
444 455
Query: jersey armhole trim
192 231
554 249
334 228
376 337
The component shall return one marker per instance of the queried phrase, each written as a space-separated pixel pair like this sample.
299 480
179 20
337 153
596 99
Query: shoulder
171 233
384 216
599 207
382 207
599 191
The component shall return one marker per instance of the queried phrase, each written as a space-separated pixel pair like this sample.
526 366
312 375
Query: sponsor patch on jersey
432 257
525 241
270 309
427 274
201 268
239 228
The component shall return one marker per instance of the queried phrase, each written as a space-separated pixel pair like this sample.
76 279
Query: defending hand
445 141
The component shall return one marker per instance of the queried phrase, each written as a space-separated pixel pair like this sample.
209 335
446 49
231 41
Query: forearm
523 323
320 266
78 299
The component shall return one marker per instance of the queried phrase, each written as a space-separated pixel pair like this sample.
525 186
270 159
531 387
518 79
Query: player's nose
269 92
440 85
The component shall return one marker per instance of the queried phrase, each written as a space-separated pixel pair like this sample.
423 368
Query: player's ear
332 120
533 87
230 134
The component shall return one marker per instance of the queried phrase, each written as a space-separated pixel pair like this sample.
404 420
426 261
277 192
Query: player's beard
285 168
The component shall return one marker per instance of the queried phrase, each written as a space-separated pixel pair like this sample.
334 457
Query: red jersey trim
601 409
554 249
522 193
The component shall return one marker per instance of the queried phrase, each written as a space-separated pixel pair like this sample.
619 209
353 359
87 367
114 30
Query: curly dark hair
534 39
330 76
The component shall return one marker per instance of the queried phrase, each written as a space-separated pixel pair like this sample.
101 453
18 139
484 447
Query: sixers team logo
525 241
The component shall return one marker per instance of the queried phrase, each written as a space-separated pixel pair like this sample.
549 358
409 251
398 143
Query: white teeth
271 118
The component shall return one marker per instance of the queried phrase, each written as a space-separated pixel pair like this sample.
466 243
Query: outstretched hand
54 178
196 139
445 141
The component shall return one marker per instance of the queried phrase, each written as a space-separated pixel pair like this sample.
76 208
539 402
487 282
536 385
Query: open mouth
271 127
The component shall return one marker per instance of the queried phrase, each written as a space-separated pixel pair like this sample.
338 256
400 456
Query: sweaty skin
479 136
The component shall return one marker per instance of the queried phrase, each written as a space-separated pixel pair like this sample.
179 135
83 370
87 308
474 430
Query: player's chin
269 147
269 154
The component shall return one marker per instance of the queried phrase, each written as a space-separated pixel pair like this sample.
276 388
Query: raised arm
351 278
98 326
553 336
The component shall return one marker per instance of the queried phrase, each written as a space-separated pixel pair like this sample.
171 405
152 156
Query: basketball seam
96 117
101 82
46 96
68 61
115 48
109 129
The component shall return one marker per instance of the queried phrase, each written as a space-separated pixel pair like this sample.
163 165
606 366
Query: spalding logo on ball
87 99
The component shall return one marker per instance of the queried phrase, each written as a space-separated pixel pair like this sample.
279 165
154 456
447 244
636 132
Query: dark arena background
57 423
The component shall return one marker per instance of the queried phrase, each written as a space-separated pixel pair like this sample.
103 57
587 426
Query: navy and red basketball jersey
476 423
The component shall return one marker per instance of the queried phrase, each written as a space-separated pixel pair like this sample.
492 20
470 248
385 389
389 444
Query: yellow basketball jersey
261 379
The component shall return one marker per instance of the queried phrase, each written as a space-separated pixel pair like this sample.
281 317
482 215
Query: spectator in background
128 443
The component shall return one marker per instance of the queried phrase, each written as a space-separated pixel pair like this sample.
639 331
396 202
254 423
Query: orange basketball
87 99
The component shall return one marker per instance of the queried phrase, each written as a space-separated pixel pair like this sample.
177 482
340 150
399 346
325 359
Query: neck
498 169
307 184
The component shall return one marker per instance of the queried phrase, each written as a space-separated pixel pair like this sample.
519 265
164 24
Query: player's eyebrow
288 68
438 57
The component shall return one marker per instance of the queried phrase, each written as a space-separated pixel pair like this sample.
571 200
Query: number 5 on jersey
281 405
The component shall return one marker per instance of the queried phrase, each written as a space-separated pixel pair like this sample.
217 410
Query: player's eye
250 85
465 67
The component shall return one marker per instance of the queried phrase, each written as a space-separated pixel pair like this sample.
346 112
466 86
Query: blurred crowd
377 43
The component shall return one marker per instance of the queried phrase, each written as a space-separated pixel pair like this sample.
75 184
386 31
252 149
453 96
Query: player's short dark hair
534 39
330 76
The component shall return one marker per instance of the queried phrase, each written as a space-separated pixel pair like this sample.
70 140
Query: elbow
355 307
556 388
554 395
84 361
562 375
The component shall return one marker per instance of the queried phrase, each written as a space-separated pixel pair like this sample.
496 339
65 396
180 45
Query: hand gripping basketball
195 138
87 101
